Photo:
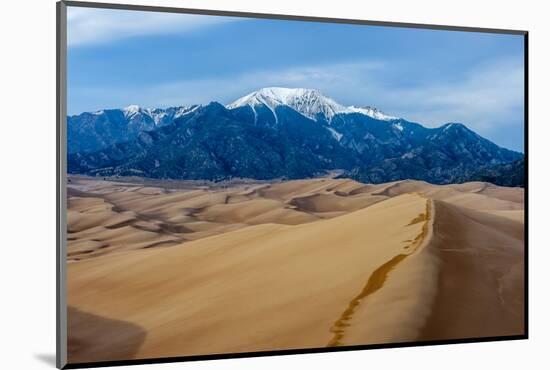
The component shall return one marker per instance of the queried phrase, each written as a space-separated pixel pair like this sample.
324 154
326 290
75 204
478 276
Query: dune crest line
379 277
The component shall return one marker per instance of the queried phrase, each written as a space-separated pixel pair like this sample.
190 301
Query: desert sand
160 269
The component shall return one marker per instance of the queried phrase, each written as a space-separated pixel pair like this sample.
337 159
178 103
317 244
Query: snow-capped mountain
372 112
91 131
159 116
277 133
309 102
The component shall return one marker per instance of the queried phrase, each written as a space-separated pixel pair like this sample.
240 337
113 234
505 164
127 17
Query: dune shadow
93 338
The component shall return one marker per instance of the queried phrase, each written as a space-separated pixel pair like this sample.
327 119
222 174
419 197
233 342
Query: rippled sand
184 268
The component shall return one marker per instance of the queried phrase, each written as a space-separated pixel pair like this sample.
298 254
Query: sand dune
335 202
475 195
488 261
96 207
298 264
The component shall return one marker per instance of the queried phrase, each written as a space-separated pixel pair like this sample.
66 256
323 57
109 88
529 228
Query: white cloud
222 89
487 99
87 26
491 95
228 89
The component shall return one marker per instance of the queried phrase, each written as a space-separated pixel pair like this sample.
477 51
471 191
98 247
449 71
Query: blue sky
117 58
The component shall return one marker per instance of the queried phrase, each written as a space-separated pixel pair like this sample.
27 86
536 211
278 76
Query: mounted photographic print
235 184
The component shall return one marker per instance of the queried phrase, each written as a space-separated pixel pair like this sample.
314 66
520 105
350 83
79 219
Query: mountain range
277 133
504 174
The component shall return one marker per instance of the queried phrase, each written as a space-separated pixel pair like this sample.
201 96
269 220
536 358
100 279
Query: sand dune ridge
297 264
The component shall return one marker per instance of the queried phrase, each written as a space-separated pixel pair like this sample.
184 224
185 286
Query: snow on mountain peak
182 111
131 110
373 112
309 102
158 115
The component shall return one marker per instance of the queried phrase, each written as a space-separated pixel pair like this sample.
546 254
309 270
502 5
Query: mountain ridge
256 138
309 102
90 131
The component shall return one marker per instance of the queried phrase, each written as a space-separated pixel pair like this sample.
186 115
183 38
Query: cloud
225 89
86 26
228 89
487 98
